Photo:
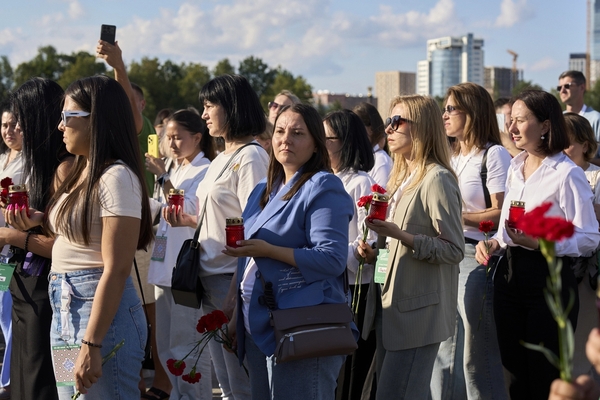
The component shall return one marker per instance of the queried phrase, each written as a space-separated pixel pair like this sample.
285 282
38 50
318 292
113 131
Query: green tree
223 67
46 64
258 73
7 82
524 85
79 66
194 77
285 80
592 96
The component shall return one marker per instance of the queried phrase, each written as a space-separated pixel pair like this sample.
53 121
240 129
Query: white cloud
543 64
513 12
76 10
412 27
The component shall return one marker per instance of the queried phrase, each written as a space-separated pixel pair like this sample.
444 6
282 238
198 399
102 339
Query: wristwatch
163 178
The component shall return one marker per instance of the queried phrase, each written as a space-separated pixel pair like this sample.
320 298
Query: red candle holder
515 212
176 197
234 230
379 206
17 196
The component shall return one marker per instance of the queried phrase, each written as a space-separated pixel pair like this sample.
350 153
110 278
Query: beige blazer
419 296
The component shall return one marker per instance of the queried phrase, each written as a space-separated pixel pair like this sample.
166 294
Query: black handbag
186 285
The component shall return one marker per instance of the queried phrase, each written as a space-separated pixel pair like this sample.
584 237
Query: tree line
165 84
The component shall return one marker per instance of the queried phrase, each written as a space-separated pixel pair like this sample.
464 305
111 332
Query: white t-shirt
357 184
382 168
468 169
120 195
227 197
593 175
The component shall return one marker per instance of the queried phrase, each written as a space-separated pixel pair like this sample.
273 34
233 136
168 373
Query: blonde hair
429 141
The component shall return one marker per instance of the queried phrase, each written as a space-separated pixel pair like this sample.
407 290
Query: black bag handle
483 174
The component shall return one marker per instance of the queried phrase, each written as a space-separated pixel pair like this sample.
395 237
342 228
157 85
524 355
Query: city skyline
336 45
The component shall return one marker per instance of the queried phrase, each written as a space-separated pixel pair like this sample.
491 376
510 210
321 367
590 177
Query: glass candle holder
176 197
515 212
234 230
379 206
18 196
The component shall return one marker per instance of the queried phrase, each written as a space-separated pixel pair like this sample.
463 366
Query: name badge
160 248
381 264
64 357
6 274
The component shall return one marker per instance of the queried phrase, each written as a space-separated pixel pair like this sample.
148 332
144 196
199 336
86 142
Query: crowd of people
447 318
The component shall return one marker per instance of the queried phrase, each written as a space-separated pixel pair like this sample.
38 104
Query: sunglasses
395 122
566 86
272 104
451 110
68 114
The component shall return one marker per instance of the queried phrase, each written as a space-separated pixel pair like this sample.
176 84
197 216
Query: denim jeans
175 332
309 379
232 378
121 374
6 325
468 364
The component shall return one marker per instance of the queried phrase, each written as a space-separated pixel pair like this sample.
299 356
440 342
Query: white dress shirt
561 182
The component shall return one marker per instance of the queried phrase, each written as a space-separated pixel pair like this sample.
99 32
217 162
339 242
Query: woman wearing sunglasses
282 99
471 368
427 244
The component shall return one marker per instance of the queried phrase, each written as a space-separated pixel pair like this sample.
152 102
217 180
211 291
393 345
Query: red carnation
364 201
201 327
378 189
552 229
176 367
486 226
192 377
6 182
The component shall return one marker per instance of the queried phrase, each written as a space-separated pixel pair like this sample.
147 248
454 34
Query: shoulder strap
201 218
483 174
137 273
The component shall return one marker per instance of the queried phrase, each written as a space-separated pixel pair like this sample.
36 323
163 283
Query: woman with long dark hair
296 225
36 105
99 215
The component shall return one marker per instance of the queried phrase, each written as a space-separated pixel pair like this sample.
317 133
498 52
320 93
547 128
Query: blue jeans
309 379
121 374
6 325
468 364
232 378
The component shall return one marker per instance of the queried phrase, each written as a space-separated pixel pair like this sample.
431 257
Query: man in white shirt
571 87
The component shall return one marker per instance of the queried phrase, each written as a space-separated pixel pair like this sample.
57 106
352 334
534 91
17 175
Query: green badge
6 274
381 264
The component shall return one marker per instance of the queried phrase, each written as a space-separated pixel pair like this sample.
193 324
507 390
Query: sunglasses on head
68 114
395 122
272 104
566 86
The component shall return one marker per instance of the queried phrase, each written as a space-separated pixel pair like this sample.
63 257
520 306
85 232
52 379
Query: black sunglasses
272 104
395 122
566 86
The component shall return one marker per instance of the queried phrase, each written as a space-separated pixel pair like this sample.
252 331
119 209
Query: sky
336 45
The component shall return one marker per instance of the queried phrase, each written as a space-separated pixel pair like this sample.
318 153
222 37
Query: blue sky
336 45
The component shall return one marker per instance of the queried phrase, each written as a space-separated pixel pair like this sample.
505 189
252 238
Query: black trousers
521 314
31 369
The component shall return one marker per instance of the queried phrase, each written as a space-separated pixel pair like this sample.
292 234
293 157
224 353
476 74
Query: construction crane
515 73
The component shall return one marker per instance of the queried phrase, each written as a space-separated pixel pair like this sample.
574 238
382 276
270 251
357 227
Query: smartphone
153 146
108 33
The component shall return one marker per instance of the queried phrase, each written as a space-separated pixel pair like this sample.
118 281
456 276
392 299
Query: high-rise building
577 62
500 81
342 100
450 61
391 84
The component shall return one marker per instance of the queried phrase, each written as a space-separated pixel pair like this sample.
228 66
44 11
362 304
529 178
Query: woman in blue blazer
297 237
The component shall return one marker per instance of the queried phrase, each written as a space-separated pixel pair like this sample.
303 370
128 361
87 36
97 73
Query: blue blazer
315 224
